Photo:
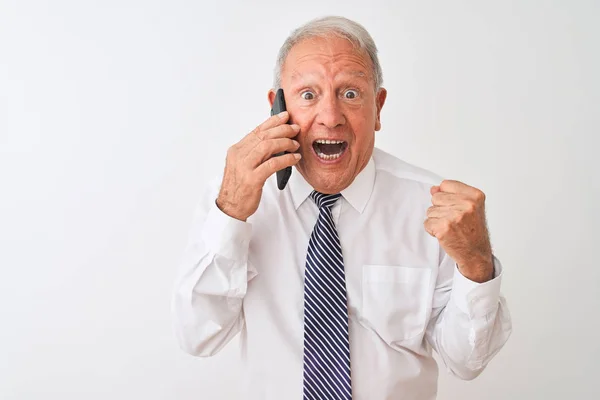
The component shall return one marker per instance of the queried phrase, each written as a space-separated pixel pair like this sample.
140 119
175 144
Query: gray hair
327 26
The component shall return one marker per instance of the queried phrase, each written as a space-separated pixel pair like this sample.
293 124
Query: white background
113 114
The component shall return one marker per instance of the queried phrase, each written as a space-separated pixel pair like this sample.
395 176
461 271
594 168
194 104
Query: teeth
330 141
329 157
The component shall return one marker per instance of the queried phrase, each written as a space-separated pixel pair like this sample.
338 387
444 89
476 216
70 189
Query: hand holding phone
251 161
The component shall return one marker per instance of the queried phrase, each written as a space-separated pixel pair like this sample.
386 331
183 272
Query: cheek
302 119
364 138
304 137
362 129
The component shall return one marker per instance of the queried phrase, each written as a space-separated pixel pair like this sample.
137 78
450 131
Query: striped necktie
326 345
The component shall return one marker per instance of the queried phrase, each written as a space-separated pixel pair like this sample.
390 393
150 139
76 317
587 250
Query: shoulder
390 167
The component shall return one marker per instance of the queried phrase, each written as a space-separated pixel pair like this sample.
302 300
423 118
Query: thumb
434 190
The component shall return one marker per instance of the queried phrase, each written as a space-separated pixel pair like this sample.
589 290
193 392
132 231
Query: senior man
341 284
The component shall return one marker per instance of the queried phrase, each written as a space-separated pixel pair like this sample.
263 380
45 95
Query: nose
330 113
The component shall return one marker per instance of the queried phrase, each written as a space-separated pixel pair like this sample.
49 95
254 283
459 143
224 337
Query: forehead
326 58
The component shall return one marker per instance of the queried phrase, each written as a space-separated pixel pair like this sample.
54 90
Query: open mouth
329 149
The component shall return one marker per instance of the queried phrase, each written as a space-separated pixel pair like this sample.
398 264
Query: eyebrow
358 73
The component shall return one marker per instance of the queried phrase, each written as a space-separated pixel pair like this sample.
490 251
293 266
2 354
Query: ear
379 102
271 97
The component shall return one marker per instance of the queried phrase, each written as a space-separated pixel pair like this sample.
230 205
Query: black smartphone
279 106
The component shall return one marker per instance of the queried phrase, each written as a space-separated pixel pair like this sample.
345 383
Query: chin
327 178
329 182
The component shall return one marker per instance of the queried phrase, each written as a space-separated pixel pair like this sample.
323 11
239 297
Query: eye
351 94
308 95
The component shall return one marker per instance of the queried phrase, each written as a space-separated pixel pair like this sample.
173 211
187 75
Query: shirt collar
357 194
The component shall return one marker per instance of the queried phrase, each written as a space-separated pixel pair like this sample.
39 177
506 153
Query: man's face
329 92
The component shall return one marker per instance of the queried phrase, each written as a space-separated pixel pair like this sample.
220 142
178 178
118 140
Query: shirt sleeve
212 280
470 321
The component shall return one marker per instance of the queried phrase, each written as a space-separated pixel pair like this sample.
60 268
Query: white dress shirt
405 295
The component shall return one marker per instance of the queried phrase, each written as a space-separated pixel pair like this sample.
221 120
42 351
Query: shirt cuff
477 299
225 235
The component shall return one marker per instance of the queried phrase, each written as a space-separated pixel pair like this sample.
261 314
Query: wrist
478 271
230 210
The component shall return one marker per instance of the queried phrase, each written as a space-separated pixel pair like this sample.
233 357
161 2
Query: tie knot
324 200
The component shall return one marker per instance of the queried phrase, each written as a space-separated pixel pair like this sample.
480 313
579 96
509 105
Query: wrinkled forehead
328 58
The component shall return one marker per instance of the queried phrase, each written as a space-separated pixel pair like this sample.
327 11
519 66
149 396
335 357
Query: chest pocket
396 301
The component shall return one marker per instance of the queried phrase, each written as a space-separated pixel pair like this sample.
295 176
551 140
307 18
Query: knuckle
257 133
262 147
292 144
272 163
426 226
231 152
470 207
445 227
269 147
479 195
293 130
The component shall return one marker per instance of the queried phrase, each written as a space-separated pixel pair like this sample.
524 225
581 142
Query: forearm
207 303
472 327
212 283
466 345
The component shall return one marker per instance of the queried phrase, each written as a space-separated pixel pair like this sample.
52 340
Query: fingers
436 227
274 164
445 199
274 127
271 141
284 130
456 187
427 224
267 148
450 186
441 212
273 121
